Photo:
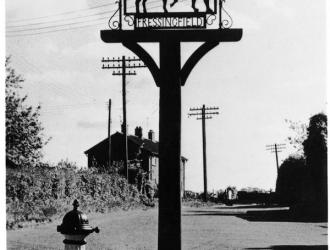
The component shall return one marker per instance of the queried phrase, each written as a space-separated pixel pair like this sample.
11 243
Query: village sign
133 23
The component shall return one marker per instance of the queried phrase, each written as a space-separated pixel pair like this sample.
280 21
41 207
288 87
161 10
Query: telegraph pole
109 134
203 114
276 148
119 67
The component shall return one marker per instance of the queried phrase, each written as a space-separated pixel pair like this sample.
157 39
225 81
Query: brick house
140 149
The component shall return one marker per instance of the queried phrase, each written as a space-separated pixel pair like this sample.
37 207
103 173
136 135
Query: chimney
138 132
151 135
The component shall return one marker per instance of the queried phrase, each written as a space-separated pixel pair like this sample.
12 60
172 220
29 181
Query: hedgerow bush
42 193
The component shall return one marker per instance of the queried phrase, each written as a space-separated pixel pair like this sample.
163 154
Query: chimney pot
138 132
151 135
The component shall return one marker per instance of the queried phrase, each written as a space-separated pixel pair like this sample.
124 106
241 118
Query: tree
315 150
291 181
300 134
303 179
24 137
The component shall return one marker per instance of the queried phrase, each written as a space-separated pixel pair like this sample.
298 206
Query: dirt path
215 227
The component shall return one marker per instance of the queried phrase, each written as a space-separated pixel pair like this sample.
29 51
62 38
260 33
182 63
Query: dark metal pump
76 223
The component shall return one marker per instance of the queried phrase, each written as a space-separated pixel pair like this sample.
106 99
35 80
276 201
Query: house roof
96 145
148 145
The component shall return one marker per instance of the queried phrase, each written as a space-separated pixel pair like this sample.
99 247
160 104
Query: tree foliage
24 137
315 150
292 176
300 135
304 178
315 146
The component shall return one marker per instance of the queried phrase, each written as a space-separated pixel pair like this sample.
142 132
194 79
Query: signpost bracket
194 59
146 58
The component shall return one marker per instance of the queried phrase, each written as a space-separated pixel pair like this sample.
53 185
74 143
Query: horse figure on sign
193 5
137 6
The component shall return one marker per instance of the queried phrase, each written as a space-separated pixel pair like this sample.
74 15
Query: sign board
138 15
170 21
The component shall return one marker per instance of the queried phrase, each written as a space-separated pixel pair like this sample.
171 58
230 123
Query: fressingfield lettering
169 22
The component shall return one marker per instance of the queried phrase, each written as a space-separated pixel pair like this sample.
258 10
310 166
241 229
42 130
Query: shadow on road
246 207
266 215
294 247
208 213
278 216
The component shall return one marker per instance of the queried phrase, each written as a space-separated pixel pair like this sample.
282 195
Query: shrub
40 193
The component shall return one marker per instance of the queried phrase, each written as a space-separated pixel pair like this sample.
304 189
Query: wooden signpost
169 30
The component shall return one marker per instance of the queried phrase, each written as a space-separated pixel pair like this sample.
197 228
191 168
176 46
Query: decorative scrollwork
210 19
227 21
115 22
129 20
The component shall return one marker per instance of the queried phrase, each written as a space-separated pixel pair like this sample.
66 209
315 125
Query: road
216 227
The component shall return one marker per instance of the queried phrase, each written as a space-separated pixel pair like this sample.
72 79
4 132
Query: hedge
39 194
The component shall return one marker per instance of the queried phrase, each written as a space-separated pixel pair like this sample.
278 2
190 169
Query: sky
276 72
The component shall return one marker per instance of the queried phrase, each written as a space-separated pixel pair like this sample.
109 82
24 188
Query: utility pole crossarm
190 114
119 67
195 109
129 73
211 108
129 63
119 59
205 118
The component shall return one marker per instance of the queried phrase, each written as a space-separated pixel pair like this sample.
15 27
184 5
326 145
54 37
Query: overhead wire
67 24
56 26
60 14
53 87
31 65
55 108
71 18
57 30
73 92
56 21
26 64
42 30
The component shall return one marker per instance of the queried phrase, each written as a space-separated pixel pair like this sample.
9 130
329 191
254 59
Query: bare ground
217 227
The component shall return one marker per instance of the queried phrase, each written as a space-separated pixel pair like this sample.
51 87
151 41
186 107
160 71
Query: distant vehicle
230 195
